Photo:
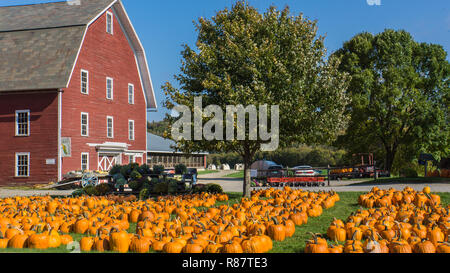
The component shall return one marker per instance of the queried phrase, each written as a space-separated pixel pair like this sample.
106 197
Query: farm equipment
365 169
75 180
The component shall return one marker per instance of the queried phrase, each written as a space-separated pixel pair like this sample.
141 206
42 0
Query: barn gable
41 44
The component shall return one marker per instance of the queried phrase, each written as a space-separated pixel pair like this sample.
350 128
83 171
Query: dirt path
236 185
4 193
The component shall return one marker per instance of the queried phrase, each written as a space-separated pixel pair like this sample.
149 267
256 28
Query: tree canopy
243 57
399 95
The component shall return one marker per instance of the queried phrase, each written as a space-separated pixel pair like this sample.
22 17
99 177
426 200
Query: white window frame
112 88
131 137
16 171
131 159
132 93
87 82
87 161
17 123
110 15
87 124
112 126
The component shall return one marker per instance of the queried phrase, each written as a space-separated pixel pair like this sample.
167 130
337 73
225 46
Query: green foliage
320 156
115 170
154 180
135 175
408 173
145 170
161 188
158 128
103 189
77 193
199 188
158 169
90 190
126 171
135 185
400 96
172 186
180 169
244 57
144 194
213 188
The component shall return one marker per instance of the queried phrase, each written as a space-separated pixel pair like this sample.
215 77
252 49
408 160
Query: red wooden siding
103 55
42 144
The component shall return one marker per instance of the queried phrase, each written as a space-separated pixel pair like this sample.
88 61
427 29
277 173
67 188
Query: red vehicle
365 169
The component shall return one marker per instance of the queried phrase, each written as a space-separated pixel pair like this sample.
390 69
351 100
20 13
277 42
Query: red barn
75 90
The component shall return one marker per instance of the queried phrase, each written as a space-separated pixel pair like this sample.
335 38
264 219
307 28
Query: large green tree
400 95
246 58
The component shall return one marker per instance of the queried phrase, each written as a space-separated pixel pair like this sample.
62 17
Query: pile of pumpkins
176 224
44 222
405 221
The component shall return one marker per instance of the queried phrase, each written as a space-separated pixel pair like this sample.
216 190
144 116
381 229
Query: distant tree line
320 156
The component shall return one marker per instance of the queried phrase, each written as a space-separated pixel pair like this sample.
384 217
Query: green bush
115 170
158 169
135 185
103 189
154 180
78 193
180 169
161 188
126 171
172 186
90 190
408 173
199 188
135 175
145 170
144 194
213 188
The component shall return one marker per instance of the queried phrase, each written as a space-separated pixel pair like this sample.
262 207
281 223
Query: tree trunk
390 156
247 180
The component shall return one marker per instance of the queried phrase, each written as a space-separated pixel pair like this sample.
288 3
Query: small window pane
84 124
109 88
84 82
22 167
130 94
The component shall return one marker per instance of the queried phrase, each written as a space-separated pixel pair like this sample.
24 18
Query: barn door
106 162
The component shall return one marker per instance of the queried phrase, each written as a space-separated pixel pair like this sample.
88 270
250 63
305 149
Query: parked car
275 170
305 171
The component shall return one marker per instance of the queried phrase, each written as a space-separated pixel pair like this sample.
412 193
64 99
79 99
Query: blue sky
165 25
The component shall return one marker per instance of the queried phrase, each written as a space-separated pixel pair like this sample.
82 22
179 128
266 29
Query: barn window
109 88
84 124
110 127
84 82
22 164
131 159
23 123
84 161
109 23
131 129
130 93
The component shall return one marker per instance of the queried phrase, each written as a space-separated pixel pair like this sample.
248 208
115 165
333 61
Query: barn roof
157 144
39 44
50 15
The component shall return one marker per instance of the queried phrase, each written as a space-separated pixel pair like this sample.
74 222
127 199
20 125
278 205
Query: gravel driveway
236 185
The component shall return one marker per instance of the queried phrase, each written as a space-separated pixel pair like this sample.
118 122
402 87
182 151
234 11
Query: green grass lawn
239 174
206 172
295 244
